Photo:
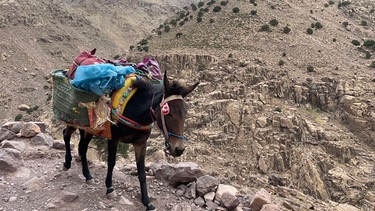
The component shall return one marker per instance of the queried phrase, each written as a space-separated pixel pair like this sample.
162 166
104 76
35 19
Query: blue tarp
101 78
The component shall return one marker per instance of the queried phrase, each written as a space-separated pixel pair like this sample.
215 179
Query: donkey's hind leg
67 133
84 141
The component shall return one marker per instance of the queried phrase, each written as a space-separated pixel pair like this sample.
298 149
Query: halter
164 110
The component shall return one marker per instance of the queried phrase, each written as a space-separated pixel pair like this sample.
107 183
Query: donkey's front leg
140 154
67 134
84 141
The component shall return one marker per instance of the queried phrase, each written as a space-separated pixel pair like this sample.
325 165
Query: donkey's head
172 114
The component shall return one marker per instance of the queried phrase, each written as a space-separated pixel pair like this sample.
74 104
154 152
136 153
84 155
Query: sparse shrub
230 55
182 15
193 7
369 43
131 47
212 20
373 80
178 35
286 30
217 9
18 117
145 48
364 23
368 55
181 23
167 28
310 68
102 148
273 22
173 22
313 25
309 31
236 10
372 64
143 42
311 11
35 108
284 54
29 111
201 67
200 13
278 109
326 5
344 3
334 39
223 3
252 1
345 23
253 12
211 2
265 28
356 42
116 57
199 19
331 2
318 25
200 4
49 98
281 62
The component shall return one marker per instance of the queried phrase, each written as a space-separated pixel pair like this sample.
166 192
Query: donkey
160 103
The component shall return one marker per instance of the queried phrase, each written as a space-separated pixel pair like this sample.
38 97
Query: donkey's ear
189 89
167 85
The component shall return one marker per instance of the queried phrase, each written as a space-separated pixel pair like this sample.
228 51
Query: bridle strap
164 130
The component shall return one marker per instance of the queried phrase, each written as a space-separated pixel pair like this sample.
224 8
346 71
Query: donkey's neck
139 107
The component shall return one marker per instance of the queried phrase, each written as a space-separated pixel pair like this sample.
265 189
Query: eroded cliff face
316 136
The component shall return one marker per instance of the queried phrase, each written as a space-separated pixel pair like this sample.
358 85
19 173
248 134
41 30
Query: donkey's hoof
65 168
90 182
111 195
150 207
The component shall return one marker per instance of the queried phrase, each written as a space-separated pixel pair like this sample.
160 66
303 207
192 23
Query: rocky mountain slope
276 109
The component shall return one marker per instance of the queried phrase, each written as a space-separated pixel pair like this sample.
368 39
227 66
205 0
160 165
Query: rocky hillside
286 100
291 108
40 36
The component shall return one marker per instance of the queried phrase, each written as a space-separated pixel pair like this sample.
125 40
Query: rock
221 189
205 184
209 196
180 173
260 198
35 183
125 201
10 159
13 126
229 201
58 144
182 207
17 145
271 207
23 107
199 201
6 134
42 139
191 192
68 196
210 205
29 130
